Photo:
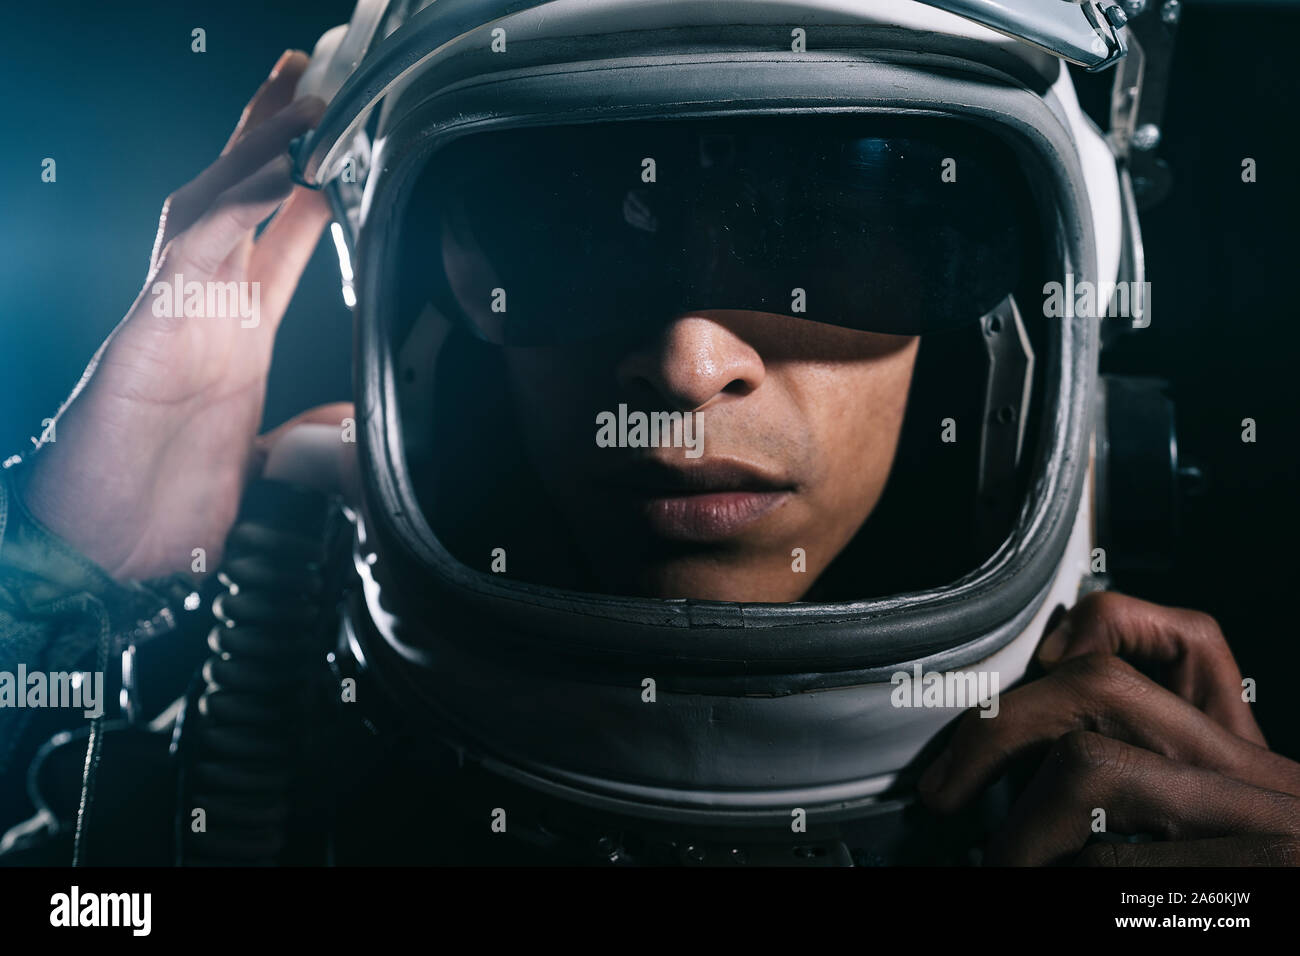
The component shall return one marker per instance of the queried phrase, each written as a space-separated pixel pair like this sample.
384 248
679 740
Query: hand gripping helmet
713 726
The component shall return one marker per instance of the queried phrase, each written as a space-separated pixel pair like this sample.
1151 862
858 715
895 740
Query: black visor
542 236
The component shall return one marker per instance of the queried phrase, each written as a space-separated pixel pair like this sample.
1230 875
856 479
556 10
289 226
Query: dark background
114 95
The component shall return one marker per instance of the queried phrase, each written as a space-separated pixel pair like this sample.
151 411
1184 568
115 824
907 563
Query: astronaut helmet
529 178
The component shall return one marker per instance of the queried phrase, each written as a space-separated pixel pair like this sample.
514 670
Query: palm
151 455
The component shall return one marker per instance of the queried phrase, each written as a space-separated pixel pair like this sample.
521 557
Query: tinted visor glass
549 235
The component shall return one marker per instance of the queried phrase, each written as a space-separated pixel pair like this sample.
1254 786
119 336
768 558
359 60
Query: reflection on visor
905 226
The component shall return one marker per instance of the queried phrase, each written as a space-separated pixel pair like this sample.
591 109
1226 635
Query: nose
695 361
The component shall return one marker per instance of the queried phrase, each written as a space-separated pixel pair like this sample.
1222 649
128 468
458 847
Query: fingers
1248 850
275 93
285 247
331 414
1090 782
1201 668
322 455
253 151
199 252
1102 693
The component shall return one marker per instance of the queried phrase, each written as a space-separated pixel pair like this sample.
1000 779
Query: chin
690 581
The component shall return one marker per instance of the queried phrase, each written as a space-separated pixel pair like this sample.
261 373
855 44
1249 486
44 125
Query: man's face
798 424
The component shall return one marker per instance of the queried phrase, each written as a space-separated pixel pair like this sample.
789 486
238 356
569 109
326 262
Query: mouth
708 502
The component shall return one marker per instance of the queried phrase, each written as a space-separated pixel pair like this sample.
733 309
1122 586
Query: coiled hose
242 743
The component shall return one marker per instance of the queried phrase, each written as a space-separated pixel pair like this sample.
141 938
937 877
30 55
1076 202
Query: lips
708 502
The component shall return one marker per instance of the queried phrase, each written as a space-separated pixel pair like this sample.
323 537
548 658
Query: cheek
558 376
859 418
552 398
532 385
531 377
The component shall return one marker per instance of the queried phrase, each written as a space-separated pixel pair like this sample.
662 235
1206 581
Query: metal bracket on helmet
1138 97
1084 32
1132 266
1006 407
1136 107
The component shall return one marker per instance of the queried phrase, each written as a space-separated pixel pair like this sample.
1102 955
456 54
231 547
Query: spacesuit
378 690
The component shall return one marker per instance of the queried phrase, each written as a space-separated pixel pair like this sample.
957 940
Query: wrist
37 550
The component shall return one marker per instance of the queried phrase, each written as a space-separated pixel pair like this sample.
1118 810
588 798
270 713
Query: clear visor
734 359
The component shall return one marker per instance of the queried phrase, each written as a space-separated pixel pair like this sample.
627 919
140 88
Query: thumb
316 448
